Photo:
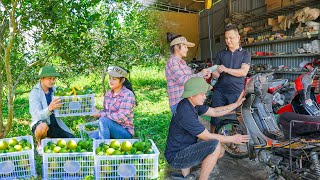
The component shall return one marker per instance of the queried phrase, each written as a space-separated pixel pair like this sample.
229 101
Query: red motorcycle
304 100
280 91
197 66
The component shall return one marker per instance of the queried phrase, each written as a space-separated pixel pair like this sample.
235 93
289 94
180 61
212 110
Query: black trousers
221 99
55 131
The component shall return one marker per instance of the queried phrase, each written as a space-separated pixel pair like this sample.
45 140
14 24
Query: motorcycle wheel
228 128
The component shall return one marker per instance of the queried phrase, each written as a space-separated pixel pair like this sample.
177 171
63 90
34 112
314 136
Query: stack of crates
18 164
131 166
78 105
70 165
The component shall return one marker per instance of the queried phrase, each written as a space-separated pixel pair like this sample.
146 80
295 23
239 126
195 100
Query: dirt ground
229 168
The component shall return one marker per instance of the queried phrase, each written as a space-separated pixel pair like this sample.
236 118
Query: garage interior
280 34
283 36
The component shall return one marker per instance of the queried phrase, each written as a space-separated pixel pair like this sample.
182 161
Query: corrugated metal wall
216 17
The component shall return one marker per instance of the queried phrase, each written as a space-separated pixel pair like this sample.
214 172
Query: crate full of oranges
75 101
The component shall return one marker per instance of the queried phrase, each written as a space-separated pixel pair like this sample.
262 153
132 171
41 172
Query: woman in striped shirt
116 119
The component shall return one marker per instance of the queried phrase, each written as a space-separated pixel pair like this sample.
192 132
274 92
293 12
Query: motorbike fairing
307 105
256 136
305 102
257 112
275 85
265 119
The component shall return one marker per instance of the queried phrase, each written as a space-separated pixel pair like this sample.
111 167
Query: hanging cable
209 29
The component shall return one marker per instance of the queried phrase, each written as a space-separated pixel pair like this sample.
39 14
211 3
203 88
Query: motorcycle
292 158
304 100
281 92
197 66
230 124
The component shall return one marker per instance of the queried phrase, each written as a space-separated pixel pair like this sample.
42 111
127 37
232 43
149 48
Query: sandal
178 176
235 148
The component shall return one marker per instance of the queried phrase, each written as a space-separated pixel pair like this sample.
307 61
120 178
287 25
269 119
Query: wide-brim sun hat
181 40
48 71
194 86
116 71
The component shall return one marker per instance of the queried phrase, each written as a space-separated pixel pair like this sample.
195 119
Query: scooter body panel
278 153
256 136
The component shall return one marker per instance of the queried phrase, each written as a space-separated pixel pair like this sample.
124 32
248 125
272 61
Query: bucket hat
194 86
48 71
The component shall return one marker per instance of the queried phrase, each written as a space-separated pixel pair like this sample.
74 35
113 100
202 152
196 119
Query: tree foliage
78 37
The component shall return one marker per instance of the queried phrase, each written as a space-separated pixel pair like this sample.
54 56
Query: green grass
152 115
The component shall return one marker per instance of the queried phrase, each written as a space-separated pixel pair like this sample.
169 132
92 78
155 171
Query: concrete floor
229 168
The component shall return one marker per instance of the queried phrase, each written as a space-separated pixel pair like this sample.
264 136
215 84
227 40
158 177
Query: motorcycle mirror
313 71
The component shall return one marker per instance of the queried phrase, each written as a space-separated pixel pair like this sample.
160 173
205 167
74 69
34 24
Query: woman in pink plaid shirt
177 70
116 119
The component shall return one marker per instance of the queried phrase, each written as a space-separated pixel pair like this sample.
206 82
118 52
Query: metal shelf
268 28
281 11
260 30
283 72
290 72
285 56
282 40
273 14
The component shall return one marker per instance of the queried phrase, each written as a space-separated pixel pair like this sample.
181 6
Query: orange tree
78 37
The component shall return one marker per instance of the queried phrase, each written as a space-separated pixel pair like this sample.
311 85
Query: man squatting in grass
42 105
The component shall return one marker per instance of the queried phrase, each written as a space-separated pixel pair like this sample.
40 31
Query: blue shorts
193 154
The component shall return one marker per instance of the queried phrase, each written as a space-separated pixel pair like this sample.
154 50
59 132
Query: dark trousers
193 154
221 99
55 131
299 129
